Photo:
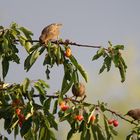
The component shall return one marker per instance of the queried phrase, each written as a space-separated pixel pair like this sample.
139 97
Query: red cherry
62 103
64 107
92 118
18 111
20 123
110 121
21 117
68 52
16 102
115 123
79 117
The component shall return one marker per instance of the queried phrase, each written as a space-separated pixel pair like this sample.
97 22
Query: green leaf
47 123
7 122
114 132
116 59
25 127
129 137
40 89
94 132
122 71
82 126
123 62
58 55
119 47
44 83
42 98
22 40
107 62
16 131
15 58
75 77
42 133
102 68
34 57
55 107
27 65
109 136
35 47
26 83
14 25
5 67
1 27
98 54
30 60
13 124
5 43
79 67
30 134
52 121
83 134
42 50
100 133
52 135
88 135
46 105
70 133
83 72
28 46
26 32
66 86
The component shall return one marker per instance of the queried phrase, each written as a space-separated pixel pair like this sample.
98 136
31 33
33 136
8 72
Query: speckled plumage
51 32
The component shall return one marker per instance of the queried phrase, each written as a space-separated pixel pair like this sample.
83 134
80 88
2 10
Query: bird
78 89
134 113
49 33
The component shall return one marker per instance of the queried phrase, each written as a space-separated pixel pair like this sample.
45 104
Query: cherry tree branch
120 116
67 42
106 109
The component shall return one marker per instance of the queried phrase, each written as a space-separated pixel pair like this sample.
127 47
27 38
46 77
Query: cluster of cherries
16 103
64 107
114 122
79 117
21 116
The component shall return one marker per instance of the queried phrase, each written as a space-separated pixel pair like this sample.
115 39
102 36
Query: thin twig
49 96
67 42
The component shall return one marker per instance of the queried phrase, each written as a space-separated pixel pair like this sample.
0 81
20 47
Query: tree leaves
99 53
79 67
8 49
30 60
39 116
5 67
26 32
112 54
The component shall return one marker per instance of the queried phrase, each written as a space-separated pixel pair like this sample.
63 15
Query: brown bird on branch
78 89
51 32
134 113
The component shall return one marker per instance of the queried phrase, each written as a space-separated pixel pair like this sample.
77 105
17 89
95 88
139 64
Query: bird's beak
126 114
59 24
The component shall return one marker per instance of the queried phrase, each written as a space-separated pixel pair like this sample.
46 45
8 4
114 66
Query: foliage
37 120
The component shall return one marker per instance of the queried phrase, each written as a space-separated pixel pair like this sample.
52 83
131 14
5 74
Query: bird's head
59 24
130 113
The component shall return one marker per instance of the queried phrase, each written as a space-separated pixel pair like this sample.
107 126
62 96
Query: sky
92 22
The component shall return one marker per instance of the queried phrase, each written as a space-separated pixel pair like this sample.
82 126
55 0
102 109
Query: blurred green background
92 22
